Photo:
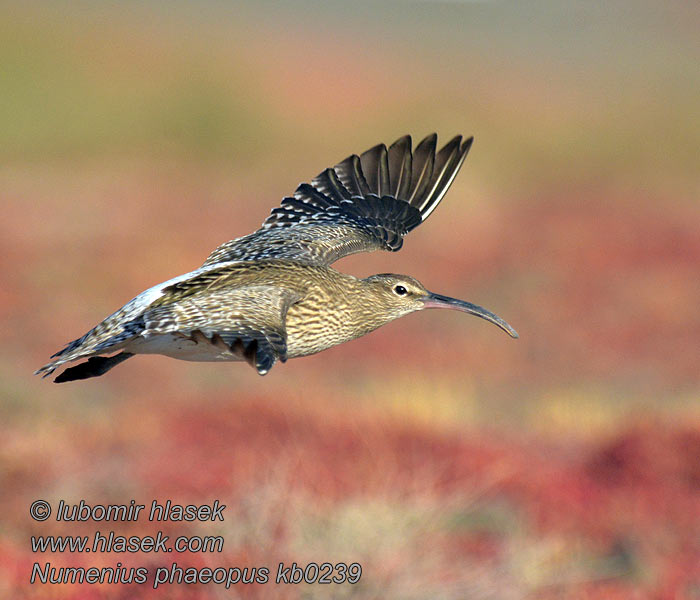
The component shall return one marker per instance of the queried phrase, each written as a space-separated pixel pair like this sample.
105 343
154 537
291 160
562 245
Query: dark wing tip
375 168
418 176
433 171
430 139
404 140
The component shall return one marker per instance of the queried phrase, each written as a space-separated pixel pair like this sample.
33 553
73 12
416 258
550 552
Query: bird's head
400 295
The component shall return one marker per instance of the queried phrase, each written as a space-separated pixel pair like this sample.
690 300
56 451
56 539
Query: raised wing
364 203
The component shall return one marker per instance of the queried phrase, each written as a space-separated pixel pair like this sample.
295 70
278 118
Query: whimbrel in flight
272 295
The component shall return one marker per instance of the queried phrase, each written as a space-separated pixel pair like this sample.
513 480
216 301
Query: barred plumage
272 295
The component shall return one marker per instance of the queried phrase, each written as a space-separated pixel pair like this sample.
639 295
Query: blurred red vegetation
612 289
633 502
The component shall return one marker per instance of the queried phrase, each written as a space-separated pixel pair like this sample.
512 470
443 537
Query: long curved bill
438 301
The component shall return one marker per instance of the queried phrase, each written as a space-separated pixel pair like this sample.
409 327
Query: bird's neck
332 313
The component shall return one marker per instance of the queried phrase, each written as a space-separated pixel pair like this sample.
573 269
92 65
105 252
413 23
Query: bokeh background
447 459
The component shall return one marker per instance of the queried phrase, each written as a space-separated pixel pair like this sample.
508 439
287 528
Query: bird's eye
399 290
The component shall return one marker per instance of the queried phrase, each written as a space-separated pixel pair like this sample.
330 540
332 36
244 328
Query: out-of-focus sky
552 90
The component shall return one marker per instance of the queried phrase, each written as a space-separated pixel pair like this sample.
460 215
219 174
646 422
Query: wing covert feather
248 321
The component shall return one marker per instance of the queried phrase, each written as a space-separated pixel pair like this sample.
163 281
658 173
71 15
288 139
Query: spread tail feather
93 367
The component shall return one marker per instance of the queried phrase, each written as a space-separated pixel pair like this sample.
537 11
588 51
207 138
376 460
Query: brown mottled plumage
272 295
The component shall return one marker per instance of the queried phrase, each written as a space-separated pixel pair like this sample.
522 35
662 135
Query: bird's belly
181 347
311 340
314 326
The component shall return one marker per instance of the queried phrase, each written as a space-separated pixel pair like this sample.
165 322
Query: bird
273 295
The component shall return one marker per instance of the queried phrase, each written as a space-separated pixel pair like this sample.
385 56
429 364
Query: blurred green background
449 460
